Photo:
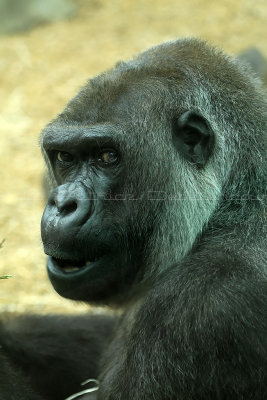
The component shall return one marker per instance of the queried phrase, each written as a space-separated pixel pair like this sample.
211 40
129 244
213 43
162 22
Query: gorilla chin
81 280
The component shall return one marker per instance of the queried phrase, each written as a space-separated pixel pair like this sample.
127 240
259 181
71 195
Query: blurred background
48 49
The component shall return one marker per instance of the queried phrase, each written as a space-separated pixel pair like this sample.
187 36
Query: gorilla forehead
173 75
120 98
56 134
117 110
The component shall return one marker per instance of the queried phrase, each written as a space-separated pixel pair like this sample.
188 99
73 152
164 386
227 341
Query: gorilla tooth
71 269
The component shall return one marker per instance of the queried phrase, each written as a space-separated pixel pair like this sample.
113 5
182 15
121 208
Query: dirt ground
42 69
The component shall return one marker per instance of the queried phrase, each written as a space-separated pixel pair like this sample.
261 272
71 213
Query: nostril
51 202
68 207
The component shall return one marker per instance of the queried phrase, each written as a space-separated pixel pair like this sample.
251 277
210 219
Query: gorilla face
85 223
112 155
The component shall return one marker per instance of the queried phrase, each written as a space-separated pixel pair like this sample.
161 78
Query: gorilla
158 210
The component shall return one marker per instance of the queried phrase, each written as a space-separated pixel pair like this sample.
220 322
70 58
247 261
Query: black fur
51 355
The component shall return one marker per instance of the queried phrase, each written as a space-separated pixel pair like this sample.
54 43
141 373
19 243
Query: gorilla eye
107 157
64 156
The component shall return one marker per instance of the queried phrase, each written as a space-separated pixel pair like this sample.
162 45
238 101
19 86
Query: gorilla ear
193 137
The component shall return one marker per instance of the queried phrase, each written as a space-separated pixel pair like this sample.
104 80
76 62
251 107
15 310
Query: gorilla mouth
71 266
87 277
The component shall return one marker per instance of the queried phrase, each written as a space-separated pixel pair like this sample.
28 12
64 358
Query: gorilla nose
68 208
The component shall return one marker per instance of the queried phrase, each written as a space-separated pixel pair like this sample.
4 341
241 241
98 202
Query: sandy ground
42 69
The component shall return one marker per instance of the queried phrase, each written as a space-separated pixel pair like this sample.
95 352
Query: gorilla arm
13 383
56 353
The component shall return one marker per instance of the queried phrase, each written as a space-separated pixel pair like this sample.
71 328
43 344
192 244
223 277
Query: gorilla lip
70 266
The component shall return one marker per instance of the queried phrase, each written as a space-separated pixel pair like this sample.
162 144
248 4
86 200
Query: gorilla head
151 160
